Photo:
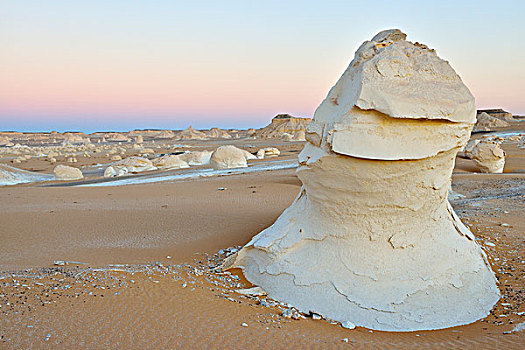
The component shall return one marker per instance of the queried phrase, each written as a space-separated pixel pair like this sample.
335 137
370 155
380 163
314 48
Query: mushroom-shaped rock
170 162
371 239
228 157
67 173
489 156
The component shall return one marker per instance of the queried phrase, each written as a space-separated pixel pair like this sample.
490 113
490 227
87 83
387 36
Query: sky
124 64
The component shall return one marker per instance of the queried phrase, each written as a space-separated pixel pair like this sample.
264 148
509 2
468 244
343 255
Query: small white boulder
67 173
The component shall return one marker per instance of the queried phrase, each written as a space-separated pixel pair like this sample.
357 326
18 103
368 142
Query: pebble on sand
348 325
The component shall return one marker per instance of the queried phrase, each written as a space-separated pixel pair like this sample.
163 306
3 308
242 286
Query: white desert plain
391 219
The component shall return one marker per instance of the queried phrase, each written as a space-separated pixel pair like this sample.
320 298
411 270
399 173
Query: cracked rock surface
371 239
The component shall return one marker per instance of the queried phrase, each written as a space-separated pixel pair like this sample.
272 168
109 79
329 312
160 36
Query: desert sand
148 254
138 265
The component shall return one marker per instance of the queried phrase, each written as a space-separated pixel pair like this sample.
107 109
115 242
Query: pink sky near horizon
131 65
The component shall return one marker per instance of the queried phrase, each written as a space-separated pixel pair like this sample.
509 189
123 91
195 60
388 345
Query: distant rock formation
191 134
216 133
165 134
372 240
281 124
115 137
5 141
486 122
498 113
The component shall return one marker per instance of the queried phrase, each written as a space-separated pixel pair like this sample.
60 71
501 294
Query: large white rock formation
371 239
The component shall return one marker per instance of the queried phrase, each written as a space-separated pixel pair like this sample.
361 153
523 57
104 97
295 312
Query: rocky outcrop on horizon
284 124
486 122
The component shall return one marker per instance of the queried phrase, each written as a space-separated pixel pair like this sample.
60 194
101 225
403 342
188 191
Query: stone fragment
348 325
254 291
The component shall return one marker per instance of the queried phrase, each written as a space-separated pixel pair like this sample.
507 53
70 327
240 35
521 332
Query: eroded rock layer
372 239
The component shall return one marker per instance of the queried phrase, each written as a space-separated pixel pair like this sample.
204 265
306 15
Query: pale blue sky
168 64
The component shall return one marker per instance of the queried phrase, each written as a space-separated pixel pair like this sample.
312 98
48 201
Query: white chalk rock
486 122
115 172
197 157
67 173
248 155
191 134
467 150
130 165
286 137
115 137
521 142
165 134
228 157
217 133
299 136
489 156
371 239
4 141
12 176
170 162
270 152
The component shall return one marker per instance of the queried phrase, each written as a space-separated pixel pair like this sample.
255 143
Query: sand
148 253
144 224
